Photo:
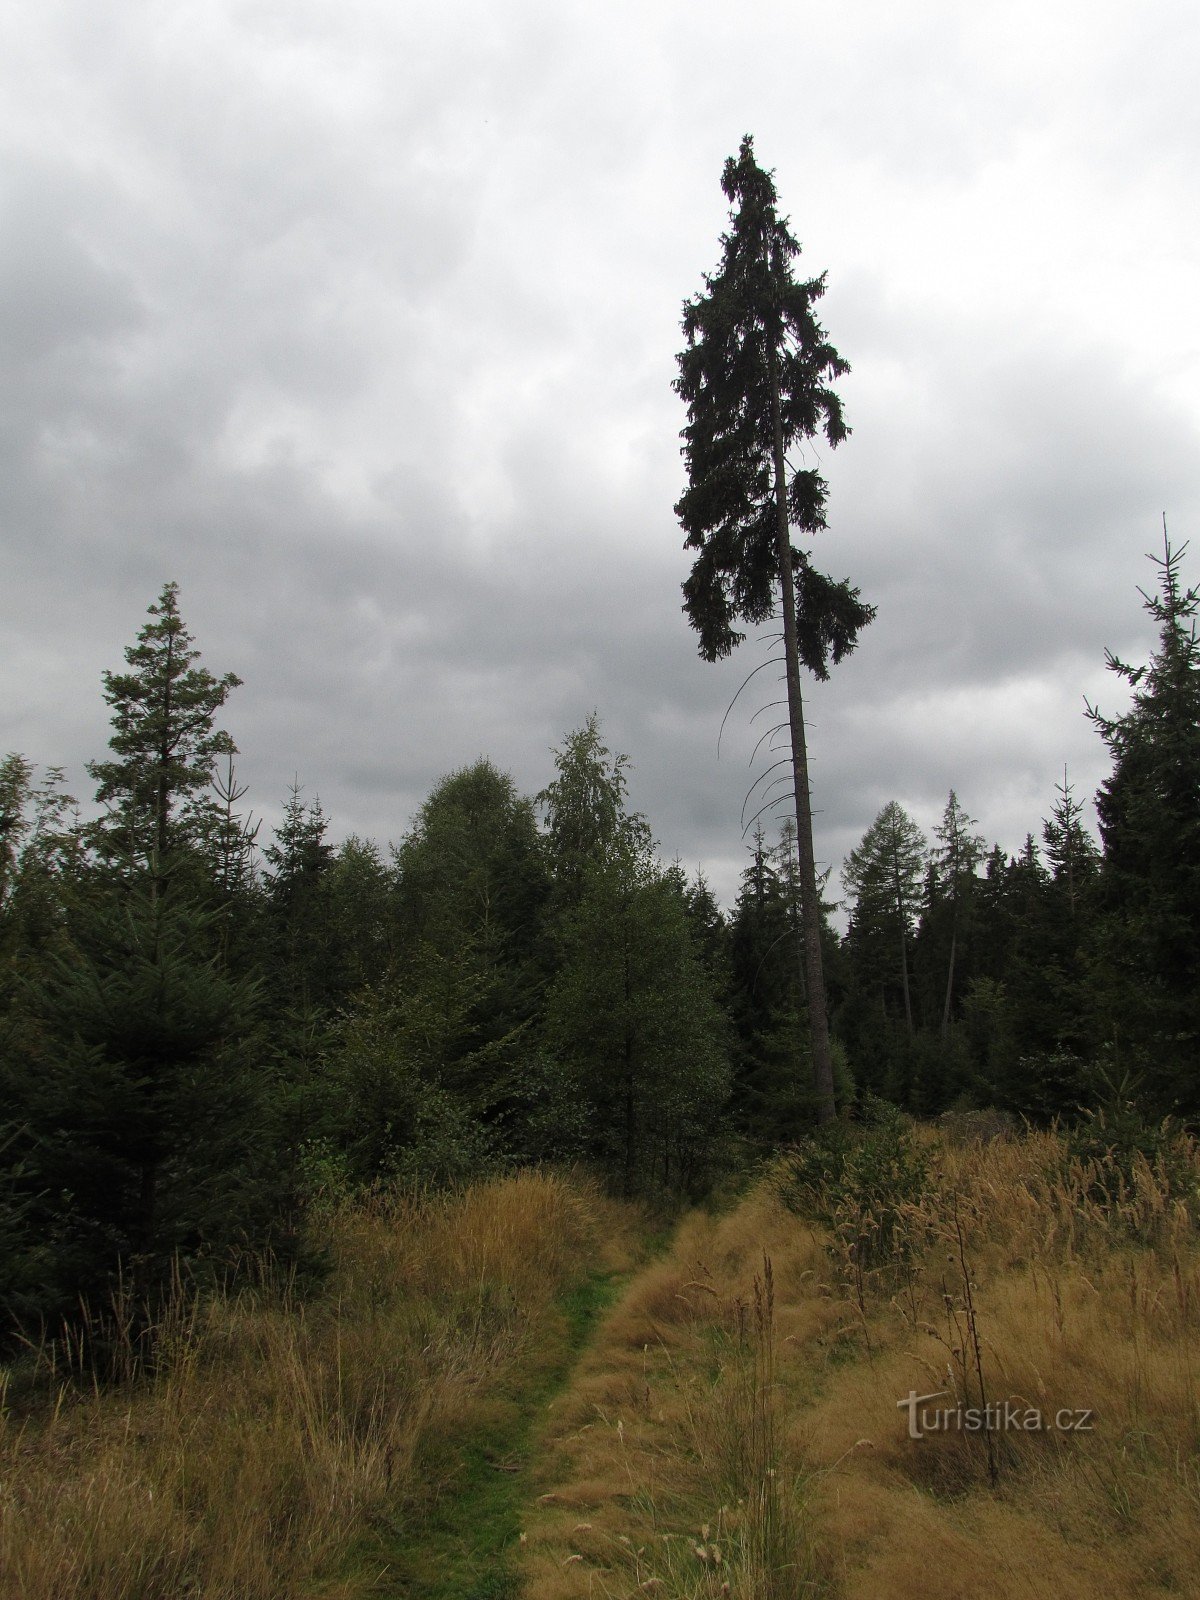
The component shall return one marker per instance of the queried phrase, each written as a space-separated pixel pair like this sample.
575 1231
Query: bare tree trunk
904 974
899 893
810 908
950 976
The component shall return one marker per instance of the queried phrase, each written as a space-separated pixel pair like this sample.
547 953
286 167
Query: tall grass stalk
242 1444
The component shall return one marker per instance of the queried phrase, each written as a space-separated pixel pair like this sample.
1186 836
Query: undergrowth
274 1440
778 1407
1029 1297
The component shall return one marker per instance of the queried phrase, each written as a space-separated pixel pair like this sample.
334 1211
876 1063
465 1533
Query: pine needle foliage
757 354
163 741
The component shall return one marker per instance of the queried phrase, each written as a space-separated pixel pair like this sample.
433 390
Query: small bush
972 1126
861 1179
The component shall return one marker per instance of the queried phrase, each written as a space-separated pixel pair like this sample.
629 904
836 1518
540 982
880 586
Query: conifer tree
1070 848
766 1002
135 1081
710 928
631 1018
957 857
164 743
756 376
884 875
1149 813
298 861
471 892
138 1087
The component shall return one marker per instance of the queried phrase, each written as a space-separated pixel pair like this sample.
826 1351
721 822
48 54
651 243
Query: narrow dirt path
465 1546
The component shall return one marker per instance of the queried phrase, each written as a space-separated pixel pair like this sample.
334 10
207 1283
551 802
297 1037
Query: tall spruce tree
138 1079
884 875
164 743
631 1019
1149 813
756 377
1070 848
957 859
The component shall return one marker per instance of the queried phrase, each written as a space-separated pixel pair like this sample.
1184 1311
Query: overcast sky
360 322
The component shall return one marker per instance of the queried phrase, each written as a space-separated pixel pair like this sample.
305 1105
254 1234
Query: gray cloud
361 325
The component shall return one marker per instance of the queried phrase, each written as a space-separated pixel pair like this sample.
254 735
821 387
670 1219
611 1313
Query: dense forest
201 1031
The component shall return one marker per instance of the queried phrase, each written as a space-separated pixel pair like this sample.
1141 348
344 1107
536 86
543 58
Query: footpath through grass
365 1438
738 1425
461 1543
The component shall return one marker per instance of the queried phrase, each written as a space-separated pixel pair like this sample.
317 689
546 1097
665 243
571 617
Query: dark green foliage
588 824
754 345
144 1131
296 906
772 1064
1116 1137
1007 946
129 1042
1071 851
164 744
472 901
632 1022
38 846
1149 812
710 929
756 376
360 911
25 1259
40 853
858 1177
1044 1085
884 875
473 883
299 854
955 862
1026 1010
396 1095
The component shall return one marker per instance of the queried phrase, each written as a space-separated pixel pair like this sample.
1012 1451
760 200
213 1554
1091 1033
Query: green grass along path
463 1547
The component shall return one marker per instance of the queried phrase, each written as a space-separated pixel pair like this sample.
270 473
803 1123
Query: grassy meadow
288 1446
517 1390
734 1428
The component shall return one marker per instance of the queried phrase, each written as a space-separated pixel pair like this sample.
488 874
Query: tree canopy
757 361
164 741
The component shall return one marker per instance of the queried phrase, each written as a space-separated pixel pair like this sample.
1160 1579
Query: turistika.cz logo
997 1416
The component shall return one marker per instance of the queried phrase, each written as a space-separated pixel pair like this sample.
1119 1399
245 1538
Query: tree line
198 1034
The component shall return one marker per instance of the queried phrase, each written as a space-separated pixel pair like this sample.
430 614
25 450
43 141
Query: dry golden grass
660 1467
272 1433
1079 1305
702 1445
732 1428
